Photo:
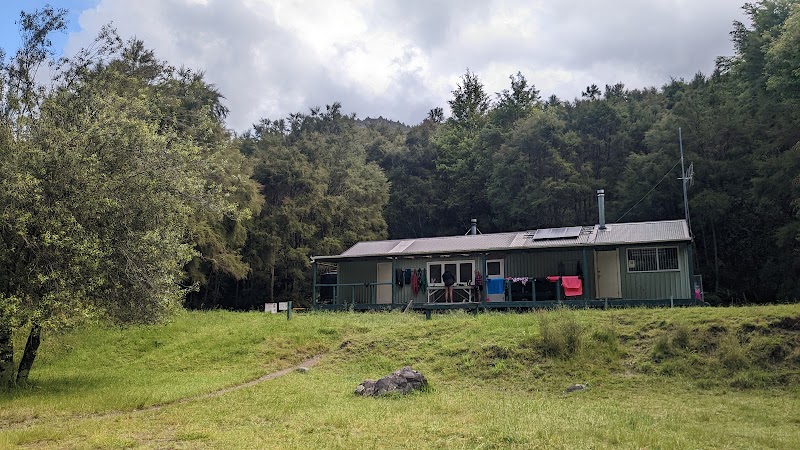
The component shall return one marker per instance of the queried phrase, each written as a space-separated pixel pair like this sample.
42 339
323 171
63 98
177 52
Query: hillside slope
691 377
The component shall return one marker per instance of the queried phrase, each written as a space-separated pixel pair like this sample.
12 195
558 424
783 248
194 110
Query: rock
402 381
302 369
575 387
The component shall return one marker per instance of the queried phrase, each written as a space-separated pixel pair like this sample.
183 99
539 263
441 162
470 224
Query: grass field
657 378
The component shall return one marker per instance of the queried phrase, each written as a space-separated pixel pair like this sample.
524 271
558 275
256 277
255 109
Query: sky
400 58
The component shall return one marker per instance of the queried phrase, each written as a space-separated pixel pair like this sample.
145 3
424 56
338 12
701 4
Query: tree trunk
29 355
716 257
6 357
272 283
705 246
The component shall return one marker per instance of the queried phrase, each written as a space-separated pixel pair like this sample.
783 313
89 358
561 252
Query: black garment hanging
407 276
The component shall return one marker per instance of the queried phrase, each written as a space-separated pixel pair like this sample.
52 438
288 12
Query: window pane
493 269
452 268
642 260
436 273
465 272
668 258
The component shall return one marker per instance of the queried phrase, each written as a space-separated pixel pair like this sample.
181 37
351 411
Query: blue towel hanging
495 286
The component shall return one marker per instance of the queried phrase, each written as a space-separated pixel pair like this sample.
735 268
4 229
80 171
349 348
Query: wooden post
585 270
314 283
289 310
690 267
394 282
558 290
485 275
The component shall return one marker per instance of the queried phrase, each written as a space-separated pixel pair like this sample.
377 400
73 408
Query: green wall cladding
656 285
645 286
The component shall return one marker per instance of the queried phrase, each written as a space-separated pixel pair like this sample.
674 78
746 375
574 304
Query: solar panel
401 246
557 233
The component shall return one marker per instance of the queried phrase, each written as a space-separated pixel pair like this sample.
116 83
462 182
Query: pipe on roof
601 206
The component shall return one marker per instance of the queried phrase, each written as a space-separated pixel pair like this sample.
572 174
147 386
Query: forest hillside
126 196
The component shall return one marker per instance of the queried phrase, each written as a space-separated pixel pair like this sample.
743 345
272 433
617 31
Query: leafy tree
591 93
534 181
104 192
415 198
516 103
321 197
436 115
470 102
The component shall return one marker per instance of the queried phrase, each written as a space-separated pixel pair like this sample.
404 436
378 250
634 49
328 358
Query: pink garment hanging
414 282
552 279
573 286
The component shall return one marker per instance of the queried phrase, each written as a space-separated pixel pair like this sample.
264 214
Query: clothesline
552 278
572 284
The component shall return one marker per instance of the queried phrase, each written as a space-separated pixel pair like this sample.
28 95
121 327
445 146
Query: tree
534 181
322 195
470 102
104 190
591 93
516 103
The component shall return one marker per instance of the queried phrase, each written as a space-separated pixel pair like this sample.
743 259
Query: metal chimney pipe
601 206
473 229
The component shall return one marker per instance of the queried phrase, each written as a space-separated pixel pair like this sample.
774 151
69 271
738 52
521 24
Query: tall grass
561 334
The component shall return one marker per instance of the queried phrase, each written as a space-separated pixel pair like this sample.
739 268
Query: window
461 270
435 271
494 268
652 259
465 273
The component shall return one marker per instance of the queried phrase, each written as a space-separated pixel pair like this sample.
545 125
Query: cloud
400 58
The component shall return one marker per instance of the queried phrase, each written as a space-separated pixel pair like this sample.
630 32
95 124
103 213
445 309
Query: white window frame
502 268
457 274
658 269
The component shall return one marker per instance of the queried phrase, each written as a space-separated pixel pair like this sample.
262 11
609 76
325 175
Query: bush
561 334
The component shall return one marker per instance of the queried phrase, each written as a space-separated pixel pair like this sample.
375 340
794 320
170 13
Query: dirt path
311 362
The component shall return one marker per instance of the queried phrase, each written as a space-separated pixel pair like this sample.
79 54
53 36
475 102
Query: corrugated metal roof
613 234
641 232
447 244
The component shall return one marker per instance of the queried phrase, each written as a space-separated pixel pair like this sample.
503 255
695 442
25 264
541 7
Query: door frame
600 288
383 292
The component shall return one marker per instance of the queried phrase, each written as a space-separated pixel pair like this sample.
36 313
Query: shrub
561 334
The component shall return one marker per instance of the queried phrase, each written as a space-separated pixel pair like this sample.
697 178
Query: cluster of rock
402 381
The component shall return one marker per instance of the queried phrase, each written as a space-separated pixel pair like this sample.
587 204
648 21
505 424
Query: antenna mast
683 179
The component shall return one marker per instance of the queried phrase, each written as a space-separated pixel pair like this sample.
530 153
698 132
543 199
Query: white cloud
400 58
